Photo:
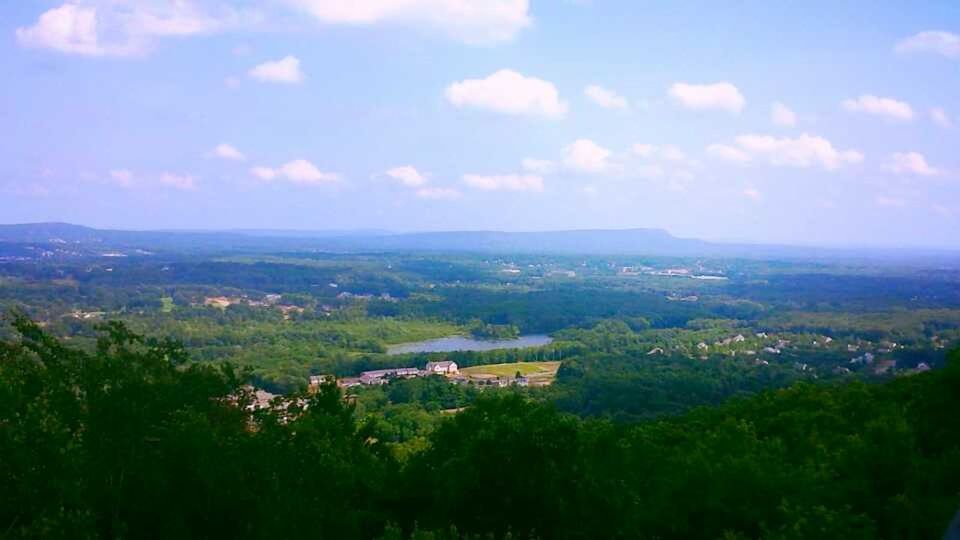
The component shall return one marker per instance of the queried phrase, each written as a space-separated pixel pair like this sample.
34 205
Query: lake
461 343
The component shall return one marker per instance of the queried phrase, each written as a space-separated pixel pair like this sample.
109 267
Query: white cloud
879 106
112 28
69 28
178 181
803 151
538 166
940 117
505 182
286 71
781 115
720 96
889 202
122 177
407 175
911 163
587 156
728 153
607 99
752 194
226 151
132 27
470 21
931 41
264 173
298 171
438 193
508 92
302 171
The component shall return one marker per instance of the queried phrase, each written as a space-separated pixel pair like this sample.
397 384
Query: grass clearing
527 369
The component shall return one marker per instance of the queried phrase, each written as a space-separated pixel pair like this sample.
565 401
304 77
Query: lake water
461 343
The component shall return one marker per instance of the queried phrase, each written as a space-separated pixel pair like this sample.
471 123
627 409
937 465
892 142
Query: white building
446 367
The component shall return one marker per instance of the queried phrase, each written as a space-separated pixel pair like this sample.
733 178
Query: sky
817 122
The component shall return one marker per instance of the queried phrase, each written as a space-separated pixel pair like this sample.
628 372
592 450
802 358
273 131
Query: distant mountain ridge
653 242
47 232
573 241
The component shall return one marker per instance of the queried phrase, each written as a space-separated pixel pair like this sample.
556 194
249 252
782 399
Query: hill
647 242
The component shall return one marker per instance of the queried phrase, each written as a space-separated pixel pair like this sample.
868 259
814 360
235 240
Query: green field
546 369
166 304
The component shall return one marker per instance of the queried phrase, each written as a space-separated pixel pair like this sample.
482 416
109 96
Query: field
541 371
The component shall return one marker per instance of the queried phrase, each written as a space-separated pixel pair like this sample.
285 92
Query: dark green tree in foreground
130 440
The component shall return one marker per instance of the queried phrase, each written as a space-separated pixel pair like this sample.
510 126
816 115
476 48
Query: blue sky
802 122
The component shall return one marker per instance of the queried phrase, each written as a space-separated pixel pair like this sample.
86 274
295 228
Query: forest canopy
131 439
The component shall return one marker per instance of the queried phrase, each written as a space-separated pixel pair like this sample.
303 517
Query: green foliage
133 440
105 433
479 329
854 461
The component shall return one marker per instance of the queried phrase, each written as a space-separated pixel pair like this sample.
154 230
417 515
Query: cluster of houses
866 359
269 300
446 368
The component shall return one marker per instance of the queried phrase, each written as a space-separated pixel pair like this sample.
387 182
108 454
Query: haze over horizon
759 125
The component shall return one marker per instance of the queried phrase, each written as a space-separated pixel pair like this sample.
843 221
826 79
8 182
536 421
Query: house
382 376
349 382
521 381
374 377
655 350
445 367
702 346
